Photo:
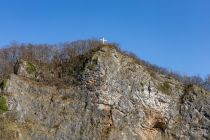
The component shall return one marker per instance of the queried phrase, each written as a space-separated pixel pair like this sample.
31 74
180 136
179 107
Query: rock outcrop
116 98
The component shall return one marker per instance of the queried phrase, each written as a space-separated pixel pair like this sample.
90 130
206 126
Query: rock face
116 98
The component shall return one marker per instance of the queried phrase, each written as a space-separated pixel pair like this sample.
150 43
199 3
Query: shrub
4 83
30 68
92 66
70 71
165 88
3 104
142 84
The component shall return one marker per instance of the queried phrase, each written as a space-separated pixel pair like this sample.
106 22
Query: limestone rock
117 98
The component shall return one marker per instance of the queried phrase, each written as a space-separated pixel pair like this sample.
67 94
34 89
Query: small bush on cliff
92 66
142 86
3 104
165 88
4 83
30 68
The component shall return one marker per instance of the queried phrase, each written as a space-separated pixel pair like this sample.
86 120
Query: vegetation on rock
165 88
3 104
4 83
30 68
69 59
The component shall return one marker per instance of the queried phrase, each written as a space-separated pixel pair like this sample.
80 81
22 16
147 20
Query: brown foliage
69 59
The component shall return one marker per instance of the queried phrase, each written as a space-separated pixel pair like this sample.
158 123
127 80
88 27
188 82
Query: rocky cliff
114 98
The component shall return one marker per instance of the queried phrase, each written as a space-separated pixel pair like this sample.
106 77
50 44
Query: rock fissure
108 127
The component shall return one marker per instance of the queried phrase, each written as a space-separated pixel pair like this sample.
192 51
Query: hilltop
101 93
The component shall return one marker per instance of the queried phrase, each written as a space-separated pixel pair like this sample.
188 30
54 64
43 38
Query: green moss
3 105
165 88
4 83
142 86
30 68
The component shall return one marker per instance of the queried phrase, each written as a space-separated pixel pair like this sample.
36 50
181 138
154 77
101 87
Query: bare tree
66 57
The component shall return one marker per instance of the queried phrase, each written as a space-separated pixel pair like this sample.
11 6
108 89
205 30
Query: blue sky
171 33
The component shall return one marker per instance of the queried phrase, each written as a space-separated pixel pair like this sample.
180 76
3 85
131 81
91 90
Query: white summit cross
103 40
